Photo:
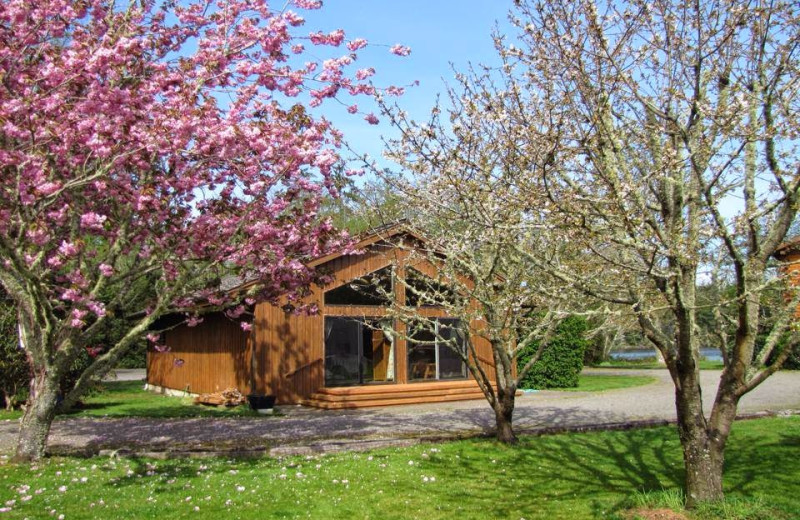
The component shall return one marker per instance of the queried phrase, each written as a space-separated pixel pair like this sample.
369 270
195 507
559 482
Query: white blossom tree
660 140
461 190
675 126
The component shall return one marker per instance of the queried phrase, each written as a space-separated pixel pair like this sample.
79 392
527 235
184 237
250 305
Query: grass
574 476
602 382
732 508
129 399
652 364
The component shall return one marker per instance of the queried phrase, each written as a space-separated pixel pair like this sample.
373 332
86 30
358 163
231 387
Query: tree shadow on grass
603 469
764 461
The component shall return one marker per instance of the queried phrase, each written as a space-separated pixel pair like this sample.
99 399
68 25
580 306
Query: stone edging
168 391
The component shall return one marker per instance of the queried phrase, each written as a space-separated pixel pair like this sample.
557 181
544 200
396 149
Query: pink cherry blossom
124 168
68 249
400 50
98 308
235 312
92 220
193 321
48 188
358 43
308 4
363 74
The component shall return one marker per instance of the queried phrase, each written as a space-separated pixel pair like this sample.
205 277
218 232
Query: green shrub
136 357
793 361
14 372
561 361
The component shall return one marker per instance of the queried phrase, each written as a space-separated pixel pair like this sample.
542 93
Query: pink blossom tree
155 142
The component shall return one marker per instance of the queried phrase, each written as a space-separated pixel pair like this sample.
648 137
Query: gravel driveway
300 429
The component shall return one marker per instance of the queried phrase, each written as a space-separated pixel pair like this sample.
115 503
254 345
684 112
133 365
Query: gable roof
366 239
370 237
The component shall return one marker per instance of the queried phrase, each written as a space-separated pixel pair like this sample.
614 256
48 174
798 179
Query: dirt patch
654 514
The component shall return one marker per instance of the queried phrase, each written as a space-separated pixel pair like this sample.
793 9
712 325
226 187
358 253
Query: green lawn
574 476
129 399
603 382
651 363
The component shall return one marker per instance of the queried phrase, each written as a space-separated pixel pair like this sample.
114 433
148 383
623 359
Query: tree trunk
10 400
36 421
703 455
704 460
504 412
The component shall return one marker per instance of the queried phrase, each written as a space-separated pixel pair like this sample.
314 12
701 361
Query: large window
358 351
436 352
373 289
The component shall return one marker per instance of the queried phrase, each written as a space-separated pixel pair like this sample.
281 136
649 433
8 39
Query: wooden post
401 345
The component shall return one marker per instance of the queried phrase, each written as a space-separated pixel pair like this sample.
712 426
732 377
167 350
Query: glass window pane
422 355
423 291
451 364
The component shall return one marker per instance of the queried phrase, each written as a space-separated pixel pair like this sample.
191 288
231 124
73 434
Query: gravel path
298 426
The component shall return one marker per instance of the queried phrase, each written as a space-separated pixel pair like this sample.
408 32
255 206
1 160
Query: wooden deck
339 398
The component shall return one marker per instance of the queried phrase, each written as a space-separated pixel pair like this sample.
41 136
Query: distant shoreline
710 354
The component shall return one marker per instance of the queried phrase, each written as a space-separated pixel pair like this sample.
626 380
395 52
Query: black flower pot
261 402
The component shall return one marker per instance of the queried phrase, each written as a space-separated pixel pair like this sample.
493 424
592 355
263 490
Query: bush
561 361
792 362
15 374
136 357
14 371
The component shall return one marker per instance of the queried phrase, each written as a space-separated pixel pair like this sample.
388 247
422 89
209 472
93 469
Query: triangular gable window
373 289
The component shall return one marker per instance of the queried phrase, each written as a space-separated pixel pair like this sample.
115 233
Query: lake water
711 354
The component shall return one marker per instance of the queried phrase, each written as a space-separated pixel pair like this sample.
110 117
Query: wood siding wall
289 348
210 357
791 269
289 353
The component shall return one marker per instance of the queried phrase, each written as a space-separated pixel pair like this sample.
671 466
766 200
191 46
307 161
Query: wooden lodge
348 355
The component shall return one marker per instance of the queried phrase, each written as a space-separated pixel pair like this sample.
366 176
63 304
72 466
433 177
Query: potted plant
261 403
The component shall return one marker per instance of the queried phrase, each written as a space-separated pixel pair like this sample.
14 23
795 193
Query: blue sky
439 32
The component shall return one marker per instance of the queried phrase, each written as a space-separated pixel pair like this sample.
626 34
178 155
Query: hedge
561 360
